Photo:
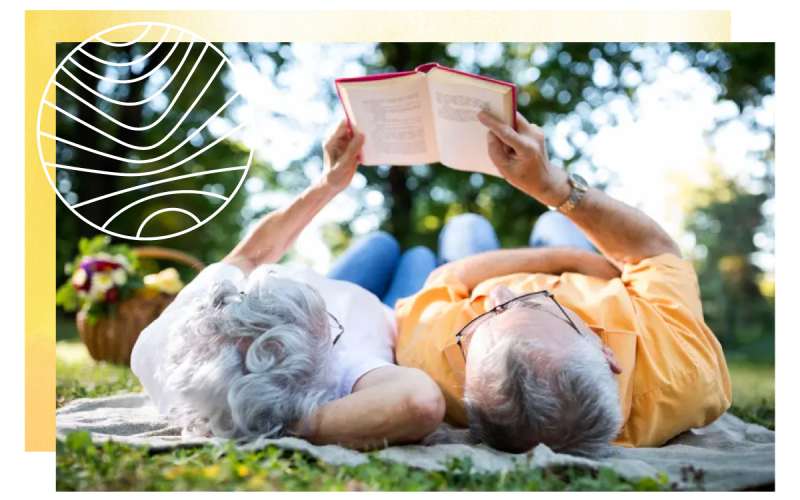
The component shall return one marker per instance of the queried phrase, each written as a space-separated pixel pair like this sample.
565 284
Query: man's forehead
541 323
528 315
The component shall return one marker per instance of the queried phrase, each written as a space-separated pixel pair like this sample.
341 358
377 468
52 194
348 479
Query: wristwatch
579 187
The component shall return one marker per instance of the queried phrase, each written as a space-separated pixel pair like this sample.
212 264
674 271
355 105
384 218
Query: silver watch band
575 196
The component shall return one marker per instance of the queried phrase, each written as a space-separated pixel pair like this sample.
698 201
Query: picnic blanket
730 453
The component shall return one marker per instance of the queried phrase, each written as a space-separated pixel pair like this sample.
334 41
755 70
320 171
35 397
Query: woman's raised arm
277 231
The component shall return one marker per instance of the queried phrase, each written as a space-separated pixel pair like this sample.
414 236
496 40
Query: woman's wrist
306 428
326 187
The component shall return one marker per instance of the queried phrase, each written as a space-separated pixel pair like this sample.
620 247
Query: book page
456 100
395 117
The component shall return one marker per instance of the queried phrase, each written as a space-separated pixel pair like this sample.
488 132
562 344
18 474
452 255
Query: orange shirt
674 375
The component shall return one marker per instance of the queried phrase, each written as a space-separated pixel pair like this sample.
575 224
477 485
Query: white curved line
92 224
120 174
164 114
134 188
128 43
145 101
107 63
174 46
190 214
141 148
158 195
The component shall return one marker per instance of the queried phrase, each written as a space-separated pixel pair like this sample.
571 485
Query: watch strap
575 197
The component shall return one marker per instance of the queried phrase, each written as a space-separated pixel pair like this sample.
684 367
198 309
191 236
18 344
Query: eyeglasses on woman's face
464 336
336 328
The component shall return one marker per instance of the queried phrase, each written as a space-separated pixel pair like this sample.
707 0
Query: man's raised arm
623 233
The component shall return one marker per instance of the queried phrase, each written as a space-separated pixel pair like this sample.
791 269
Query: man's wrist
555 190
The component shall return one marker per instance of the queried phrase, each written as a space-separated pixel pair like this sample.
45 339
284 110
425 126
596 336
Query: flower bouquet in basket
116 298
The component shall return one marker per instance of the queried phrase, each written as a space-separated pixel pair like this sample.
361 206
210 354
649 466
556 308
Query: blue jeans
470 234
375 263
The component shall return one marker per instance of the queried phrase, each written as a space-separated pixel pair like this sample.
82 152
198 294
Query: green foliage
67 297
738 298
745 71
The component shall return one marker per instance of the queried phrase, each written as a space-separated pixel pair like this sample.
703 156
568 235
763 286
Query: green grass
82 466
113 467
754 393
77 376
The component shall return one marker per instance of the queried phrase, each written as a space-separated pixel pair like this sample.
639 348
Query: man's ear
499 295
612 360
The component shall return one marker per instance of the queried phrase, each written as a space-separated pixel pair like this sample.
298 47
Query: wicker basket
111 339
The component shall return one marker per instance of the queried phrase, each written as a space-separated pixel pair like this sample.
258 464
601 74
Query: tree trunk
400 216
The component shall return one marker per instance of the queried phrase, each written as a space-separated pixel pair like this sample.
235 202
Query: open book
426 116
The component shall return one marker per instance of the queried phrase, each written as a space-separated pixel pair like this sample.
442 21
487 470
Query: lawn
82 466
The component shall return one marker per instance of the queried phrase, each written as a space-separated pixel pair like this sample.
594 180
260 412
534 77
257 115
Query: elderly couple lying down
592 336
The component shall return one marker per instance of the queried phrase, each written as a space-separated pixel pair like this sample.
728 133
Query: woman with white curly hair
253 348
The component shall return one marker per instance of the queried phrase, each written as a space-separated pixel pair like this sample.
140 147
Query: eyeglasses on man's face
464 336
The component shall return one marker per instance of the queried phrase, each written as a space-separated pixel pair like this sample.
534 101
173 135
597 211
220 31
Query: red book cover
424 68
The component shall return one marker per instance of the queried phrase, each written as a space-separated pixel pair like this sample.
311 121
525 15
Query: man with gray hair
558 344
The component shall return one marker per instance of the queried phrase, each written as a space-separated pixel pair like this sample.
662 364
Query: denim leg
554 229
465 235
369 263
413 269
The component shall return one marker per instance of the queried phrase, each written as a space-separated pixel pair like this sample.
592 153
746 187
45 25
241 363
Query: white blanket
731 454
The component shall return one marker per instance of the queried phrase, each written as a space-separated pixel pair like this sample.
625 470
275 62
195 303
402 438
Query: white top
370 328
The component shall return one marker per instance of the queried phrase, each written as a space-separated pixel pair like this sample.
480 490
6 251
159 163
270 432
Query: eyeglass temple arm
553 297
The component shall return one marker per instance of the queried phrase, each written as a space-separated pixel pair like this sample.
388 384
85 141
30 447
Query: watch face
580 181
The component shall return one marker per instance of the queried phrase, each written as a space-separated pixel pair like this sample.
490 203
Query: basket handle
169 254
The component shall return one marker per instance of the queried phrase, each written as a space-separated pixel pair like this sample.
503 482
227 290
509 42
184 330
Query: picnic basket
111 338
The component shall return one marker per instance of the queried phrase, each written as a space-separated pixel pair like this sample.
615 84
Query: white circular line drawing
249 120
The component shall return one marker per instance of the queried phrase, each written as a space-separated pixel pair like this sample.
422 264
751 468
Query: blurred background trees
568 89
